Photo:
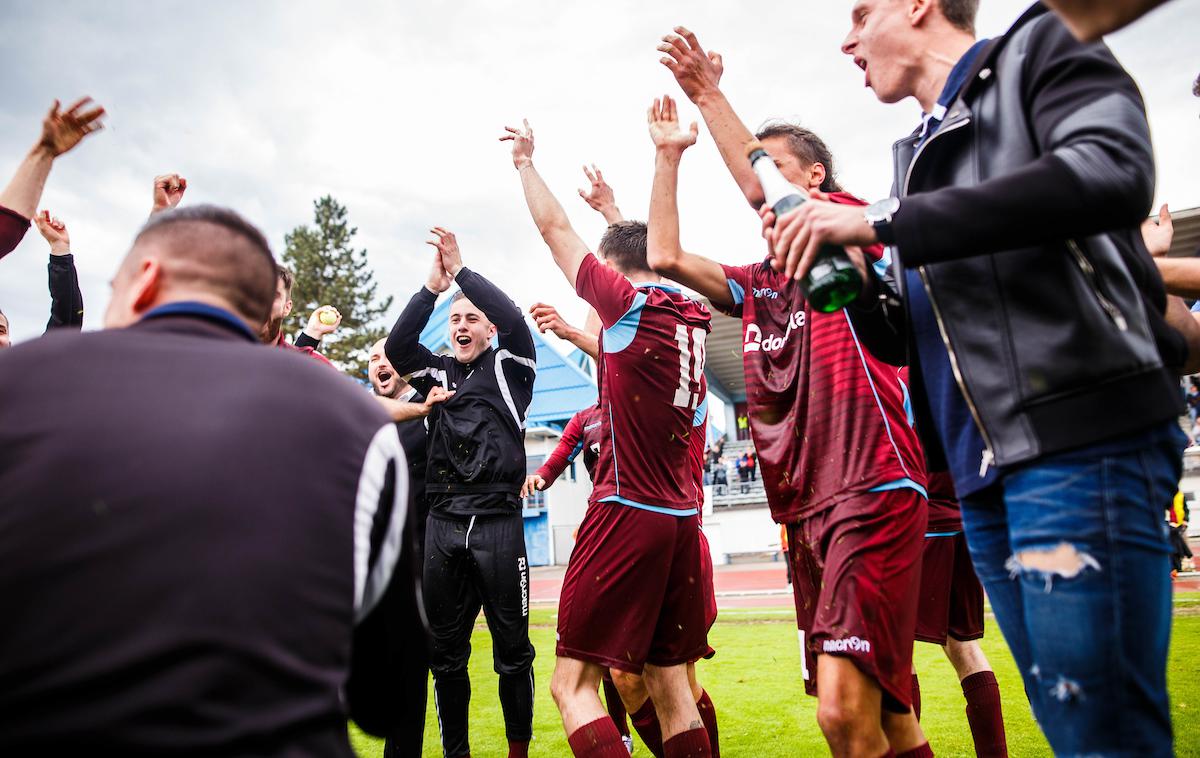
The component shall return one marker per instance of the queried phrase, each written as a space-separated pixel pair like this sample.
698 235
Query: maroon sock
708 716
616 708
920 751
690 744
598 739
518 749
645 722
916 695
984 715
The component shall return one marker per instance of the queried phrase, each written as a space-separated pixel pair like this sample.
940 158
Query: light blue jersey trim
621 334
701 412
908 411
651 508
942 534
575 452
657 286
884 263
736 292
887 424
901 484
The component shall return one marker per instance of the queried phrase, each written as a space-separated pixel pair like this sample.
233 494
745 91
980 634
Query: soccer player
631 597
841 466
475 537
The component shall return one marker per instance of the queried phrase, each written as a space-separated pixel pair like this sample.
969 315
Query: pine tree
329 271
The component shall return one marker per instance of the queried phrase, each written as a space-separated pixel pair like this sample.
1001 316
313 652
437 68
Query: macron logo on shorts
848 645
524 586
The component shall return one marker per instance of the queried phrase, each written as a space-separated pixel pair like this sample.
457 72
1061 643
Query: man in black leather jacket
1033 319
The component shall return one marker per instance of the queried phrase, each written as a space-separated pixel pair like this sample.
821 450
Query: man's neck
643 277
936 63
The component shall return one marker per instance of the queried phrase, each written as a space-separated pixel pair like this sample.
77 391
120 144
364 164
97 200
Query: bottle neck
775 187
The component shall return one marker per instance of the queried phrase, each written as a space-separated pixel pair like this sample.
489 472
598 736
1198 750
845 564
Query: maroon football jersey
581 435
651 377
828 420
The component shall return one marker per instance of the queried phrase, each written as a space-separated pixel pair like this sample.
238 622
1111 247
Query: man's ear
287 308
918 11
491 330
147 285
818 173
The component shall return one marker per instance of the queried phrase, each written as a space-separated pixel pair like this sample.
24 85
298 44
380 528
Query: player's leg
708 712
964 629
616 709
497 546
641 709
575 689
451 605
683 731
680 637
613 587
871 547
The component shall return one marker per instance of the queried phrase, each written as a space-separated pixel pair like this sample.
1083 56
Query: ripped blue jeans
1073 552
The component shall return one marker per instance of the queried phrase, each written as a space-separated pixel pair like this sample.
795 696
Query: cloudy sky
395 108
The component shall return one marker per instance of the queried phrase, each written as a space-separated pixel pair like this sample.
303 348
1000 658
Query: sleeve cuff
14 214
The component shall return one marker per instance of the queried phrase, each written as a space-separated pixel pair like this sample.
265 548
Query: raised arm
547 318
552 223
663 251
699 76
403 347
565 451
601 197
61 131
66 301
399 410
168 192
511 330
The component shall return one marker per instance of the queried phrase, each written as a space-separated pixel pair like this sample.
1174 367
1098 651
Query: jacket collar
178 317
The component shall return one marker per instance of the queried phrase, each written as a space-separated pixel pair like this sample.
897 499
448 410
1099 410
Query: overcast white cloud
395 108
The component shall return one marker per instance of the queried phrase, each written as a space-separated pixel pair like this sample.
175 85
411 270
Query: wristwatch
879 216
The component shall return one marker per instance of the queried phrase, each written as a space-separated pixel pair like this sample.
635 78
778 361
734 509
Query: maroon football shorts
856 572
633 592
951 596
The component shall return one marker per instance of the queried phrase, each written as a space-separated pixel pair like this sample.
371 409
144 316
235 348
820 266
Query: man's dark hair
206 247
960 13
624 244
287 277
1196 86
806 146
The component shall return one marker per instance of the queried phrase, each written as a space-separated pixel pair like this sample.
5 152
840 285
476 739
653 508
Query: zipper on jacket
988 457
1089 273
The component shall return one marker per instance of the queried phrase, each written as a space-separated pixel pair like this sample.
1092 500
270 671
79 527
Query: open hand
600 197
168 191
522 148
533 483
448 252
55 232
546 318
664 127
63 130
437 394
697 72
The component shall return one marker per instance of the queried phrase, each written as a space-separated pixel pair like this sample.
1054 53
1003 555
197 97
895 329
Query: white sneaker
628 740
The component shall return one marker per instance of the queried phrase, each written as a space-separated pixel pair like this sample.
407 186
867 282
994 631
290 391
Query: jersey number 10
691 365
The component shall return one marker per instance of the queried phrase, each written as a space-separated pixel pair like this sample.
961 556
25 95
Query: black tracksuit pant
474 562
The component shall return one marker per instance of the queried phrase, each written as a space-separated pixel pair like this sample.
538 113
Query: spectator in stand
1192 397
752 465
1177 523
720 477
61 131
230 586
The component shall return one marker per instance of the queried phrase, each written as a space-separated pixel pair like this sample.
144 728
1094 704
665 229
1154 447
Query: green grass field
755 684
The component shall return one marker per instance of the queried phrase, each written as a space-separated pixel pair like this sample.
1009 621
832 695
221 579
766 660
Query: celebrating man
475 539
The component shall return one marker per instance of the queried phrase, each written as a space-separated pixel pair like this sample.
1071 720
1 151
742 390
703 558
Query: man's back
170 584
